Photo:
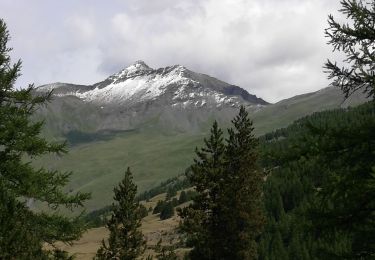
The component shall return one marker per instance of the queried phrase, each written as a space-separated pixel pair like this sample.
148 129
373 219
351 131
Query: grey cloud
273 48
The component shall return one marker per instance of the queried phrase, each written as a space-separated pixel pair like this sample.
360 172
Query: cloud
275 49
81 30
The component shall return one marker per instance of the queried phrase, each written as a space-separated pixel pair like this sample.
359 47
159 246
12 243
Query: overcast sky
272 48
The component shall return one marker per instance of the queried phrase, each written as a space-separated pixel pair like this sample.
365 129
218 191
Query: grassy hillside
286 111
98 166
99 160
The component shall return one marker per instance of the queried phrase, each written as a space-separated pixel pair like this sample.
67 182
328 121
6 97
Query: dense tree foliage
23 231
125 241
344 204
313 210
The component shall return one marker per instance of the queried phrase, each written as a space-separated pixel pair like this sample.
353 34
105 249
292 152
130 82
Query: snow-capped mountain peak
174 86
135 69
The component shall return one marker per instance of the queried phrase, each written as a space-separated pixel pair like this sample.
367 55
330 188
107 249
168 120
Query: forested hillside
301 160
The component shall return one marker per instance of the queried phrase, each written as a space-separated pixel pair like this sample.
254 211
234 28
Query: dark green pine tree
242 217
182 198
200 221
125 241
159 206
23 232
345 201
355 40
167 211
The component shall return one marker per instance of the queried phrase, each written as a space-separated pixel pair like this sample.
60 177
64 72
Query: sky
272 48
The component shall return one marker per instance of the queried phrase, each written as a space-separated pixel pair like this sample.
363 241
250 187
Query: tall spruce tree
201 218
242 217
345 207
23 232
226 216
125 241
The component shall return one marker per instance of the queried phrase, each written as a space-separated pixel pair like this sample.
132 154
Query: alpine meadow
165 162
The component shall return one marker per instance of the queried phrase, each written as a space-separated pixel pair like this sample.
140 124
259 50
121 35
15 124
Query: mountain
141 97
175 86
152 120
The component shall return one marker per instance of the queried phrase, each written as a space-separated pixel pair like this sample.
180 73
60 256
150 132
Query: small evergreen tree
24 232
174 202
167 211
143 211
159 206
125 241
183 197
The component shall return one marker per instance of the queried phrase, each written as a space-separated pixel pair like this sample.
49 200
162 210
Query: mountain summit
136 69
176 85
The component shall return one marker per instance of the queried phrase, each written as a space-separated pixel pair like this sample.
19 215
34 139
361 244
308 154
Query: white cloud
275 49
80 29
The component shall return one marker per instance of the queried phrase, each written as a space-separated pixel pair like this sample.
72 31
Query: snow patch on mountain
135 87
